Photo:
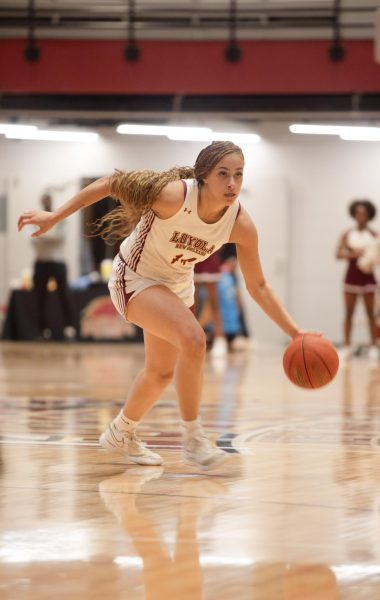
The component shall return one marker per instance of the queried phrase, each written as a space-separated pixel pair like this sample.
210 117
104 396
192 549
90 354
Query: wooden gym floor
294 515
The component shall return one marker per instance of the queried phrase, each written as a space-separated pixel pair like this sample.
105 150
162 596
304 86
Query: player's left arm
244 235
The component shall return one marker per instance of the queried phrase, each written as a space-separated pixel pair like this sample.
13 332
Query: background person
50 264
206 279
358 283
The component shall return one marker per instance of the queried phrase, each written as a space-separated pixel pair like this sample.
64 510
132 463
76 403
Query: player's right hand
43 219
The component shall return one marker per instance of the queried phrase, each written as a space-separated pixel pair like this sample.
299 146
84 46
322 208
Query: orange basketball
310 361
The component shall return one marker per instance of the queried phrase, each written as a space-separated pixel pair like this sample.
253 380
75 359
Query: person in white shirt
49 264
171 220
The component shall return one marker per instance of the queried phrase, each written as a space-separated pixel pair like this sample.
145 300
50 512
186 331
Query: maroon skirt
358 282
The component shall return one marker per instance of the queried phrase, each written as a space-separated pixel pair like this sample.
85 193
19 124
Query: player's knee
193 342
159 377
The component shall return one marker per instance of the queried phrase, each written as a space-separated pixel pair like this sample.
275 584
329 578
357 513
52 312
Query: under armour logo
176 258
187 260
183 260
187 210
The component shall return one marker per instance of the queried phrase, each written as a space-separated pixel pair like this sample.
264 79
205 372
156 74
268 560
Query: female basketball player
357 282
172 220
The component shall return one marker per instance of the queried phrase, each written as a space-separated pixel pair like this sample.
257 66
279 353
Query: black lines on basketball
310 361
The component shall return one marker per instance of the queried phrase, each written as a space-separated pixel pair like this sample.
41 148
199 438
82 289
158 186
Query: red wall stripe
190 67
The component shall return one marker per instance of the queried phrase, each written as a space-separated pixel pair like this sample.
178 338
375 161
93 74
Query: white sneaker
240 343
128 444
219 347
199 451
373 353
344 353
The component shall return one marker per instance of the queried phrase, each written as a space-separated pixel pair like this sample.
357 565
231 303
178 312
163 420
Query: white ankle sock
123 423
190 427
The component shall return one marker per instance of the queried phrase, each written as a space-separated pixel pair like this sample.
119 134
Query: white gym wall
296 188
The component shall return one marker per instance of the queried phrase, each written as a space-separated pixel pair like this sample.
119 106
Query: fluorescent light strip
189 134
239 138
17 128
142 129
344 131
134 129
362 136
53 136
316 129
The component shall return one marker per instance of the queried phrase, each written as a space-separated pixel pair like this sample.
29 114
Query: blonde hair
136 191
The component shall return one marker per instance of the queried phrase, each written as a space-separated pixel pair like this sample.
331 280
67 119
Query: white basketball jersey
167 249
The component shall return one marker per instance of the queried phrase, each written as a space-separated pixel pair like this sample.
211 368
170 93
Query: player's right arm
95 191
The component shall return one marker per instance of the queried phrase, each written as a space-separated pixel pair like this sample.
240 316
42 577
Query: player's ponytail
136 191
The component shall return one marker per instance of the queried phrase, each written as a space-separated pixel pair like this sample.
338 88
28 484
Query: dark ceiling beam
61 19
194 103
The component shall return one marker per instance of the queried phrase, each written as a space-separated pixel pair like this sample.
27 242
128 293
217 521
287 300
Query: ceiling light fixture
362 136
337 52
340 130
135 129
131 51
16 127
52 136
232 53
32 52
187 134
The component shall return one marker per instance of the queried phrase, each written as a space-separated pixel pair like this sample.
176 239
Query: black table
96 319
